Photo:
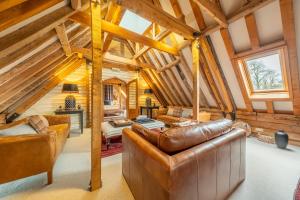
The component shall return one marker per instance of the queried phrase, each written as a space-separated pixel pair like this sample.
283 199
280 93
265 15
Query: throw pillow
21 129
170 111
187 112
39 123
177 112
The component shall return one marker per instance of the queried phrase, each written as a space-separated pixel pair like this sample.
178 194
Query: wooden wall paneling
214 11
33 97
270 107
289 34
196 79
216 71
252 31
231 52
156 14
23 11
97 95
63 38
249 8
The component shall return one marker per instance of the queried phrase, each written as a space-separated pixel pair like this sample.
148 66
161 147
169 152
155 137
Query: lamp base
70 102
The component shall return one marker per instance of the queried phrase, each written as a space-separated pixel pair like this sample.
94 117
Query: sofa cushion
187 112
181 138
177 112
39 123
170 119
150 135
21 129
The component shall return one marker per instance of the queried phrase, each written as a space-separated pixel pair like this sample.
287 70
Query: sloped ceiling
32 55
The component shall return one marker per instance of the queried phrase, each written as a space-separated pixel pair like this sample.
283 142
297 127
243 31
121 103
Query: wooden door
132 99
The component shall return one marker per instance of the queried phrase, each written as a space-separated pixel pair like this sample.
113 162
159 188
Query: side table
71 112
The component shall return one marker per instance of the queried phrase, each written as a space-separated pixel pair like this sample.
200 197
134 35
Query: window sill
270 96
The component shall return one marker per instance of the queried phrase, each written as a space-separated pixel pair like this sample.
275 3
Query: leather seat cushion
177 139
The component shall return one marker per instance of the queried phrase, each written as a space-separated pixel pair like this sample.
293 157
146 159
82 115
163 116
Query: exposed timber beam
23 11
63 38
118 31
198 15
252 31
170 65
36 29
97 95
245 10
214 11
196 80
156 14
6 4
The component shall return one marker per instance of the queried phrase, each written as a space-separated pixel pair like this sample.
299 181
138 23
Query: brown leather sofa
200 162
32 154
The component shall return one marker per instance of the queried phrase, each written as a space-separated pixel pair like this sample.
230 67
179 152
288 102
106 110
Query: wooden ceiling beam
252 31
125 34
214 11
6 4
23 11
156 14
245 10
170 65
76 4
63 38
198 15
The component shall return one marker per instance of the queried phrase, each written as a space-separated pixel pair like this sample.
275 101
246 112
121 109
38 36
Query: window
265 74
135 23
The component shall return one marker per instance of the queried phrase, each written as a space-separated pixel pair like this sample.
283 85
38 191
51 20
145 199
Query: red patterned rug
115 147
297 192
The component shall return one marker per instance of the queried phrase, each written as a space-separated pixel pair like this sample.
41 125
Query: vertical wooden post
196 79
97 100
88 95
137 94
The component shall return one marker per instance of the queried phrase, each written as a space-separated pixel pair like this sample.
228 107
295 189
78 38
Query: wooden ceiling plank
214 11
24 11
156 14
169 66
6 4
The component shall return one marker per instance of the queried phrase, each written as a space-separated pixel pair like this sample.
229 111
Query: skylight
135 23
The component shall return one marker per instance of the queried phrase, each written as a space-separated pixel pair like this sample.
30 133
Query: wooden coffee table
109 131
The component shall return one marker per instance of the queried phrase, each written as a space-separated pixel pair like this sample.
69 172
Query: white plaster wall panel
33 18
231 6
227 69
209 21
297 26
153 60
269 23
188 13
260 105
186 52
239 35
283 105
166 6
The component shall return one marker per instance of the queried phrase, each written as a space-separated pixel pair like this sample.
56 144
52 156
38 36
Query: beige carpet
272 174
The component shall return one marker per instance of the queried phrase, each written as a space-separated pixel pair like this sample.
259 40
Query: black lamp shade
70 88
148 91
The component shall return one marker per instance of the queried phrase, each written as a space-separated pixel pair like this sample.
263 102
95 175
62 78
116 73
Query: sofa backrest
178 139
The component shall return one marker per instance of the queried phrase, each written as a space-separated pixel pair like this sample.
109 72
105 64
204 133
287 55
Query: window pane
135 23
265 73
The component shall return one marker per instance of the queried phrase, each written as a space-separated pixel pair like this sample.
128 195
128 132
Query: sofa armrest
58 119
25 155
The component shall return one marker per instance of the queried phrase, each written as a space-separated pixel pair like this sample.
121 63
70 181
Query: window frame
270 94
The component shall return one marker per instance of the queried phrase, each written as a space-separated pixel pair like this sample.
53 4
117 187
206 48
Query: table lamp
70 100
148 99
